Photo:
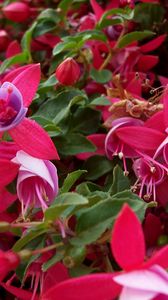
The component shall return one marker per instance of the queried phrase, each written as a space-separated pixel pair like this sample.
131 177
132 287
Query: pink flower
115 146
140 280
37 183
15 97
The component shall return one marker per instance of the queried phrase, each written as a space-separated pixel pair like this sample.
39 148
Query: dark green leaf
102 76
70 180
120 181
134 36
73 143
97 166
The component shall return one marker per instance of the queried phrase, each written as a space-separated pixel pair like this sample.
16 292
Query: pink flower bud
17 12
68 72
4 40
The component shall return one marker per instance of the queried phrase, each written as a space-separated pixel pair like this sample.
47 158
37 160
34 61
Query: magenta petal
165 110
55 275
147 62
156 122
160 258
127 244
141 138
27 83
14 73
34 140
8 172
6 199
154 44
13 49
98 11
90 287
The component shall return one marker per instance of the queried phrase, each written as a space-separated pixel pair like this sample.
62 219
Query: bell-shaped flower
140 280
114 146
37 182
15 97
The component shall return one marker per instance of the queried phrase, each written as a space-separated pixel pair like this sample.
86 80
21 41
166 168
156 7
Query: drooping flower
15 97
139 280
37 182
114 146
68 72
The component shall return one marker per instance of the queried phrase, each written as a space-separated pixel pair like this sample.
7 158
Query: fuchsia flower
115 146
37 182
15 97
140 280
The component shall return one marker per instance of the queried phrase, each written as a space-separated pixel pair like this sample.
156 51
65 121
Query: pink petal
90 287
8 172
156 122
163 80
55 275
139 137
154 280
27 83
147 62
160 258
98 140
152 229
98 11
165 110
13 49
132 294
34 140
154 44
6 199
9 77
127 244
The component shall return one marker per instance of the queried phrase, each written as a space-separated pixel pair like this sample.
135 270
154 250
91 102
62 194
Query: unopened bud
16 11
68 72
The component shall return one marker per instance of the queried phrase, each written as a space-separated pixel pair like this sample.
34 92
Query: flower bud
68 72
17 12
4 40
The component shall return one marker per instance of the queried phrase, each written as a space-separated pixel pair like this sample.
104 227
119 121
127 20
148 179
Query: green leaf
63 46
51 108
70 180
103 101
121 14
134 36
85 120
73 143
46 85
97 166
96 219
102 76
51 262
62 202
17 59
27 38
31 235
50 14
43 27
120 181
